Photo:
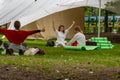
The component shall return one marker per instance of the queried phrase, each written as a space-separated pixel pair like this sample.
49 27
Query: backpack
41 52
50 43
89 43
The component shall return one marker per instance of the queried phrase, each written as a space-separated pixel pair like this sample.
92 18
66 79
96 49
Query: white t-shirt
61 37
80 38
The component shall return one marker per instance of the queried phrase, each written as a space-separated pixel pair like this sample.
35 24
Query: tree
113 6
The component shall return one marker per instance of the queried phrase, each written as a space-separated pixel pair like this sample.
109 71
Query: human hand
43 29
73 22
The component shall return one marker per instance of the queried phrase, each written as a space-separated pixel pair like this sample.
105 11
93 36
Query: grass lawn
58 58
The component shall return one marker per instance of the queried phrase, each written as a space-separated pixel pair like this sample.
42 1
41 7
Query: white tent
28 11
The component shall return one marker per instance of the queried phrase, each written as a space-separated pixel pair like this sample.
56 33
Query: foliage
113 6
92 11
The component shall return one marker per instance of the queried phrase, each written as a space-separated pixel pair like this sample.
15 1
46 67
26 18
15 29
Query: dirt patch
13 72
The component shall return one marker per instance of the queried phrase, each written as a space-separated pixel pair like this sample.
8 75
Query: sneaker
9 51
21 52
3 51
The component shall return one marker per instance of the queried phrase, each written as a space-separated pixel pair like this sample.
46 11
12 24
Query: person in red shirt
16 37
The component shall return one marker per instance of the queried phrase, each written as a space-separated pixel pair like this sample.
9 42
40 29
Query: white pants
60 43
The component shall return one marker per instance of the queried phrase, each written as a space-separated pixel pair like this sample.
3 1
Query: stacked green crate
102 42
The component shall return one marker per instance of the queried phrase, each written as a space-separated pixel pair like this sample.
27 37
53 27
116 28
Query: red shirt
16 37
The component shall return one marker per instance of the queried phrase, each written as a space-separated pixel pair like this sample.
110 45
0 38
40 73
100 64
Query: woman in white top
61 34
79 37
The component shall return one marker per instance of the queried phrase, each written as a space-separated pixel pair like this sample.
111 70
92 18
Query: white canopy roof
28 11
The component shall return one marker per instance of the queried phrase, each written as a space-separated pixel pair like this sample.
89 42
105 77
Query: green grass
60 57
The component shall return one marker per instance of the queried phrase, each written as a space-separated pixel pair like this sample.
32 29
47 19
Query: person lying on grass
79 37
16 37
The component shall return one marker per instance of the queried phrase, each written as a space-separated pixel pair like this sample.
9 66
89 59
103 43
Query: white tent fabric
28 11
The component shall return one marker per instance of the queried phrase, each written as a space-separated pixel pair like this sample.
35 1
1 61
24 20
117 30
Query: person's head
17 25
61 28
78 29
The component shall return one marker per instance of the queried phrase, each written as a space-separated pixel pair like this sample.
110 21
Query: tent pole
99 18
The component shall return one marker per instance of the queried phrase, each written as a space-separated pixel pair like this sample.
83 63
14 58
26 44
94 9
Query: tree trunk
106 21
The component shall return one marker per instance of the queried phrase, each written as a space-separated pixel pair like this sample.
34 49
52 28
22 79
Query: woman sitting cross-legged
61 34
16 37
79 37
